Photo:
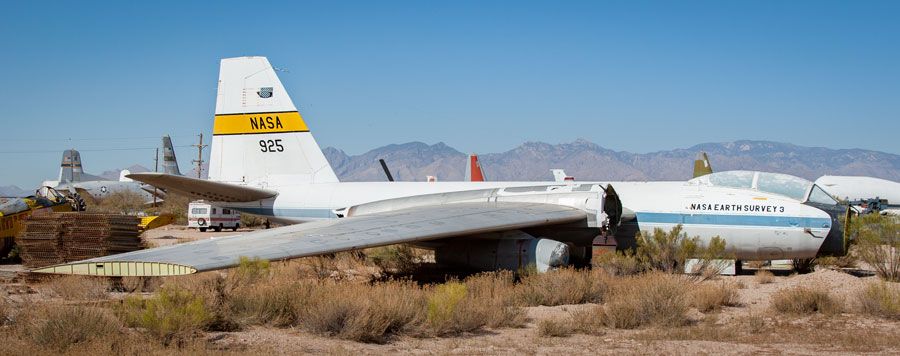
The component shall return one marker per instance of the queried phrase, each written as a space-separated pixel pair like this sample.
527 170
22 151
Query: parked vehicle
203 216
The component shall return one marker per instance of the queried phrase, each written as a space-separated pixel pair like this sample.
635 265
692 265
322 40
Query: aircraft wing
203 189
322 237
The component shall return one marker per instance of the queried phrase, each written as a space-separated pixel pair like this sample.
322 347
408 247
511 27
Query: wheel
202 229
219 228
235 227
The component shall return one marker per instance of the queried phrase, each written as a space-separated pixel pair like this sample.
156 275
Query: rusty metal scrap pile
65 237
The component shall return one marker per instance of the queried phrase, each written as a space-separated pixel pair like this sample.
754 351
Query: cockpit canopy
776 183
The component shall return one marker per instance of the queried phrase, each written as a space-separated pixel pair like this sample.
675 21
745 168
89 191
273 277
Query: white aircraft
265 161
864 194
864 191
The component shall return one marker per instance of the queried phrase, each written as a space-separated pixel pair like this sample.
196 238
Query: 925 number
271 145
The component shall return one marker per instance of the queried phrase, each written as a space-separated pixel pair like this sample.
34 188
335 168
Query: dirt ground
751 327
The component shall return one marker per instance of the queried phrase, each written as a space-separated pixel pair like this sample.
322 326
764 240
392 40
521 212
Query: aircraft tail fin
701 165
170 164
473 169
70 167
259 138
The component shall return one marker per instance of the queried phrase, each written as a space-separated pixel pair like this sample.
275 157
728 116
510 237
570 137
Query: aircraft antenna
199 161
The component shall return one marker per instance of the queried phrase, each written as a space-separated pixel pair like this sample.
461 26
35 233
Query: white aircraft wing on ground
377 229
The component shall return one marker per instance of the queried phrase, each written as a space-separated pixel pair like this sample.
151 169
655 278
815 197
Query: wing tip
119 269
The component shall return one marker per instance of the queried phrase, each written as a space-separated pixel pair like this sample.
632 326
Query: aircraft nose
835 243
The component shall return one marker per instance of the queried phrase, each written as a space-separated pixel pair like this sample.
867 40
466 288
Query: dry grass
366 313
140 284
805 300
708 297
651 299
563 286
619 263
763 276
557 327
881 300
78 287
60 327
492 298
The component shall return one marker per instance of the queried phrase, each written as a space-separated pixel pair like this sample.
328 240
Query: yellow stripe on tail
259 123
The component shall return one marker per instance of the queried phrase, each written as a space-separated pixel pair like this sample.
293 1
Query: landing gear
202 229
235 227
218 228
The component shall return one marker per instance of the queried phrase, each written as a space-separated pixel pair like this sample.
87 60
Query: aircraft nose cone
835 243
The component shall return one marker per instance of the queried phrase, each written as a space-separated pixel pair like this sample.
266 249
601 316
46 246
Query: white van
203 216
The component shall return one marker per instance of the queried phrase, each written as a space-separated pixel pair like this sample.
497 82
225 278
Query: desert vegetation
355 301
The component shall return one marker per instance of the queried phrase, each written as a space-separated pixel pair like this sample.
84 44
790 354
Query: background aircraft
73 178
265 161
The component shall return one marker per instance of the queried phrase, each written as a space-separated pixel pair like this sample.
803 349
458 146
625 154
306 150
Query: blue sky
481 76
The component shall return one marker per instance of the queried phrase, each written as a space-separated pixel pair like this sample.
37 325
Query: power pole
199 161
155 169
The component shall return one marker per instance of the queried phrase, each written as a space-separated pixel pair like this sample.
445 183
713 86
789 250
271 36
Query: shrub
78 287
140 284
60 327
588 320
763 276
713 296
172 314
563 286
277 304
668 251
555 327
878 243
442 303
364 313
492 299
250 220
121 202
804 265
249 271
804 300
880 299
847 261
620 263
395 258
176 205
651 299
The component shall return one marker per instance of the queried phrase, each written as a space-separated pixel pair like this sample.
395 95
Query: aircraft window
226 211
732 179
783 184
214 210
820 196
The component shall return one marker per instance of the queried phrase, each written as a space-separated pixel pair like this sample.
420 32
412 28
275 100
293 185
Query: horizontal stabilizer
321 237
204 189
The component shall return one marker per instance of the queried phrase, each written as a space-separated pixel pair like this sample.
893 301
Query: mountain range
586 160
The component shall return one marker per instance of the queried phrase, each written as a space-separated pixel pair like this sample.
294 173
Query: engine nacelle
510 254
